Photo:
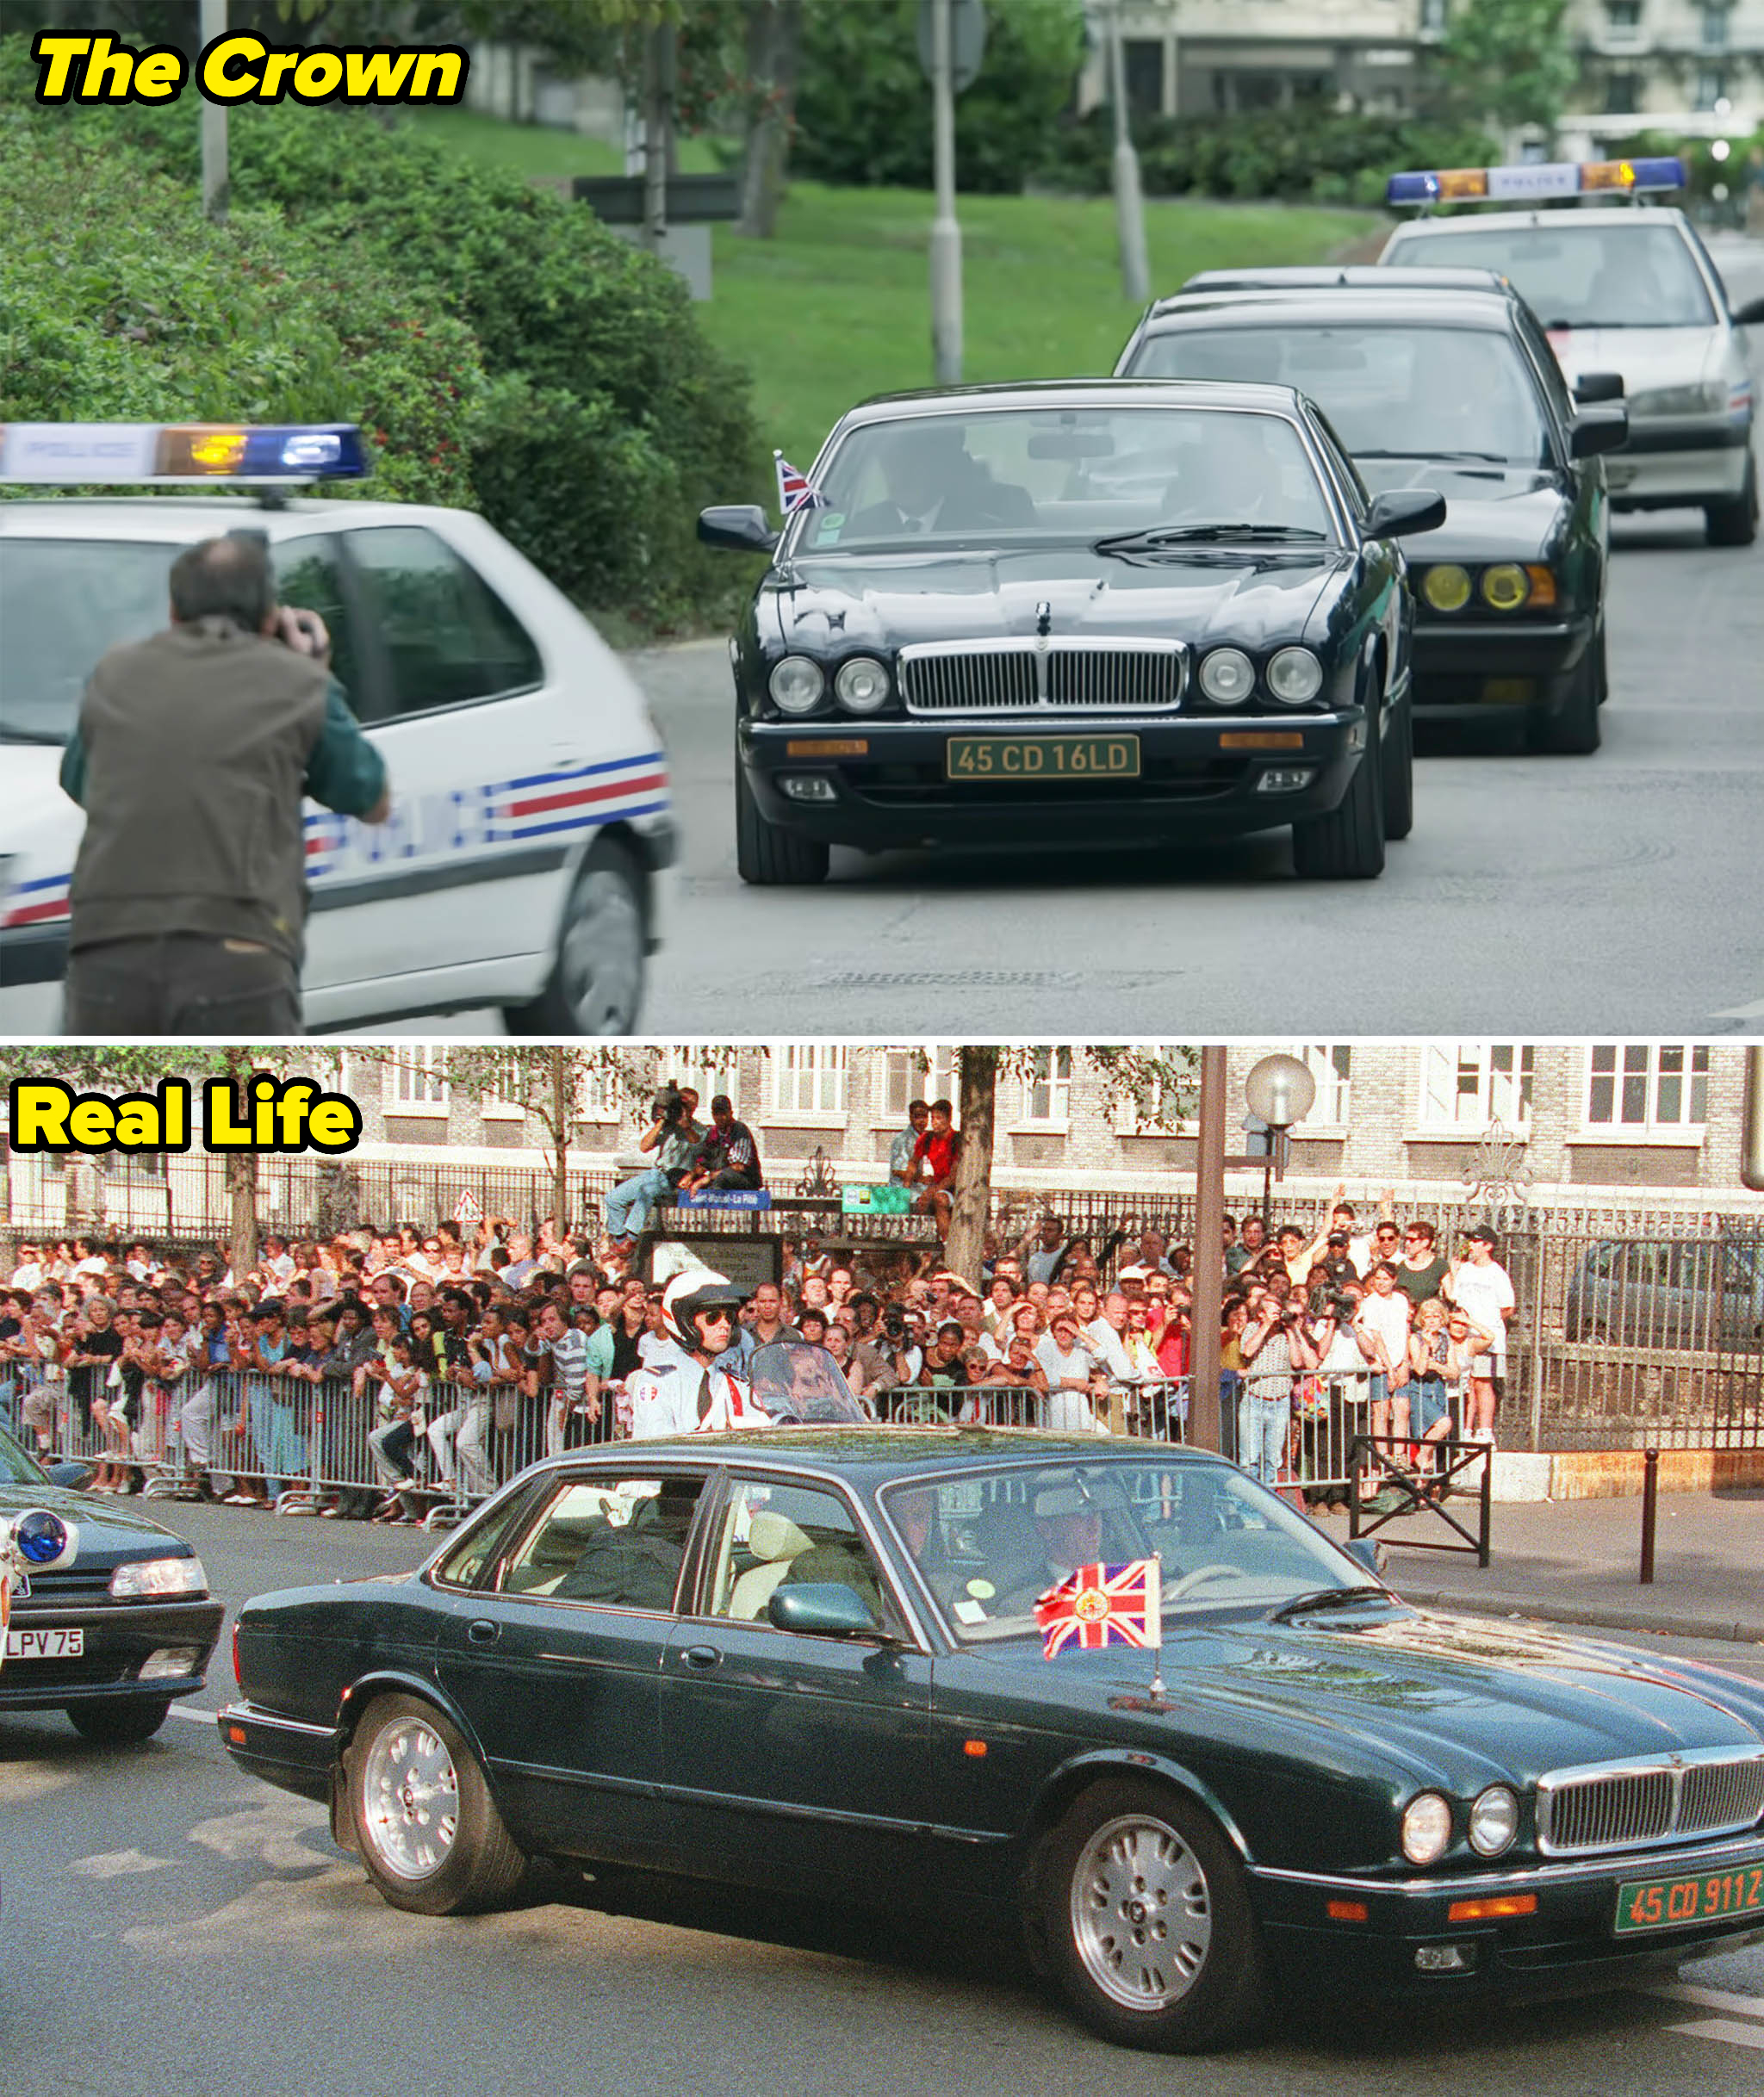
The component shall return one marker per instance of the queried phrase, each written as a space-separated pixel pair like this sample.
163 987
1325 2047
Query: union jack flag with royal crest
1102 1605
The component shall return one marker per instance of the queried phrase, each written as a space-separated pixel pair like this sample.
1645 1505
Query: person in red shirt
934 1166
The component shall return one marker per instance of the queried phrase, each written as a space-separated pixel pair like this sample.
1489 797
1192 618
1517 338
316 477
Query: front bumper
118 1638
1469 669
289 1753
1676 463
1568 1946
1194 783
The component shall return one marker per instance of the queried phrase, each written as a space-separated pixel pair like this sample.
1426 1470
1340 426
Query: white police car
525 862
1624 288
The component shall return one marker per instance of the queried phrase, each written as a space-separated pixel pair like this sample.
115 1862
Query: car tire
1348 843
1398 756
120 1722
1735 523
1103 1893
1572 729
596 984
766 854
405 1765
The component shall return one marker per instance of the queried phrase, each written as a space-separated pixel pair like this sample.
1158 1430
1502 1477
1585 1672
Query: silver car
1630 289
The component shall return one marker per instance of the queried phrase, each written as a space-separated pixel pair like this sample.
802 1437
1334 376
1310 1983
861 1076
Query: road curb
1608 1618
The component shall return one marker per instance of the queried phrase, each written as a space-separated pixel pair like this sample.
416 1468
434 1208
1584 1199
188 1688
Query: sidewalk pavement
1577 1562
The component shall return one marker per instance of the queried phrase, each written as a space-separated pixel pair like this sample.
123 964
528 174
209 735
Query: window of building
1623 20
505 1096
1712 88
1044 1092
1162 1111
1142 60
1331 1064
1713 18
1635 1088
926 1071
1623 94
687 1063
1469 1085
1434 15
806 1081
413 1081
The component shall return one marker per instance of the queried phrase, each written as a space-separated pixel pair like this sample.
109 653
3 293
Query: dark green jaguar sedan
810 1660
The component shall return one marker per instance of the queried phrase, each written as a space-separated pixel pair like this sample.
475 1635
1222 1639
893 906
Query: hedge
612 420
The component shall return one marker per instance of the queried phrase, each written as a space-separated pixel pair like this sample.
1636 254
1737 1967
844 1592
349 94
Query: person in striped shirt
575 1386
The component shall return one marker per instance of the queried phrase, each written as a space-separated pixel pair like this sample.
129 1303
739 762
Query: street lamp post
946 229
1129 202
214 122
1207 1307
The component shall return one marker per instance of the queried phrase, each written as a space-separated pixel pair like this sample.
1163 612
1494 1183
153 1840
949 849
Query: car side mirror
1594 386
1367 1551
740 527
1600 429
821 1608
1750 314
1402 510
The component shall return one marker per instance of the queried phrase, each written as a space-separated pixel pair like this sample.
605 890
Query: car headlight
1505 586
1426 1828
150 1578
861 686
1710 399
796 684
1295 676
1494 1820
1447 587
1227 676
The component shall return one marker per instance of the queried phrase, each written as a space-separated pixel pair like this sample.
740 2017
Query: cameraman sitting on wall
674 1136
728 1158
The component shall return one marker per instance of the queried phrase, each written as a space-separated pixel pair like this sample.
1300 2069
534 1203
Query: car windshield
1610 274
1423 392
793 1381
17 1468
991 1542
63 603
1045 476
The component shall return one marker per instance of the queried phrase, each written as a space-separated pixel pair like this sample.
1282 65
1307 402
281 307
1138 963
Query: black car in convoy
810 1659
1079 612
111 1615
1441 379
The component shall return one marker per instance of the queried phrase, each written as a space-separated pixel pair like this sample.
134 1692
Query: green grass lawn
837 307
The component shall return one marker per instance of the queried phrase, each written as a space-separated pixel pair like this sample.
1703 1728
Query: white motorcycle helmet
689 1296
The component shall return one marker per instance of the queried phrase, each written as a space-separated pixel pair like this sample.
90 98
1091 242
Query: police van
1626 291
525 861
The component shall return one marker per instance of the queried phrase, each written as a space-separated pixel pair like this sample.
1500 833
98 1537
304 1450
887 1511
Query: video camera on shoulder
668 1106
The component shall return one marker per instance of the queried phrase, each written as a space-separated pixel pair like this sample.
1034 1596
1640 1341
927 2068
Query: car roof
1358 275
873 1456
1320 305
181 519
1244 394
1581 218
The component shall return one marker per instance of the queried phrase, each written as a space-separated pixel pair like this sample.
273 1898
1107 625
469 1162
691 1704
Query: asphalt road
170 1923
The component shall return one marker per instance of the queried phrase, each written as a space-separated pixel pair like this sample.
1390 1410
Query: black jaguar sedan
811 1660
1076 612
1444 380
111 1615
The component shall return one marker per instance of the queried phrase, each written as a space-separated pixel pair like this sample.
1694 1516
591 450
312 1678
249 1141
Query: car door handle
701 1656
483 1632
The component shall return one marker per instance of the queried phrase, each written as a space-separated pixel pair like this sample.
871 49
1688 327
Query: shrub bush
118 303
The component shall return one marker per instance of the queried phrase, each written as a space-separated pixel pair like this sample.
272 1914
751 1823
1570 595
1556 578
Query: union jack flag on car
795 490
1102 1605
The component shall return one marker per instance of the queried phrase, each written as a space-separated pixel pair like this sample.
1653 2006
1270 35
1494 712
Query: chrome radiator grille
1633 1804
1073 676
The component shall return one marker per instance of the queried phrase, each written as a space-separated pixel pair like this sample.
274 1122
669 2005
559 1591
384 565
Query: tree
134 1069
1507 62
1161 1089
774 36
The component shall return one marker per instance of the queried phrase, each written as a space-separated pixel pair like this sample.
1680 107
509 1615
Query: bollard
1650 1501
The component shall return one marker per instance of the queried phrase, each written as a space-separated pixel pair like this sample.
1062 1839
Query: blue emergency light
1545 182
178 454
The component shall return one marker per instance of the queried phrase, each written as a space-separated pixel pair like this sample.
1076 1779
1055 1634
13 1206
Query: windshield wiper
1497 458
1196 534
8 733
1327 1598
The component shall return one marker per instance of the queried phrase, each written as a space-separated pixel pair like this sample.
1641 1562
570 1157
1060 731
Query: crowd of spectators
397 1365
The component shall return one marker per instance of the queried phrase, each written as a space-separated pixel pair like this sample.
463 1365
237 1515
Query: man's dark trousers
181 982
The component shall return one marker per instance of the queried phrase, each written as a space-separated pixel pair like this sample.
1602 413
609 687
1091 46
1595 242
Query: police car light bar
151 454
1539 184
